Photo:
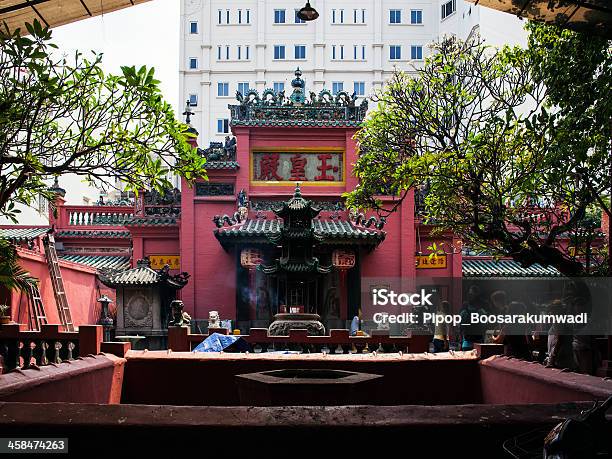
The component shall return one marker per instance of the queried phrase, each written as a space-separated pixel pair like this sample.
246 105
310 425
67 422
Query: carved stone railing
21 348
95 216
337 342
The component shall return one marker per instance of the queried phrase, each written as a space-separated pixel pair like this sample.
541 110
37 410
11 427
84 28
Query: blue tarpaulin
228 343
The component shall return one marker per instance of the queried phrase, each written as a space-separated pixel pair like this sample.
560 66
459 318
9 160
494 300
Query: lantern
250 258
343 259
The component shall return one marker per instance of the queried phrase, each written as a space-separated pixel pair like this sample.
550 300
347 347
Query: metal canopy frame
591 16
53 13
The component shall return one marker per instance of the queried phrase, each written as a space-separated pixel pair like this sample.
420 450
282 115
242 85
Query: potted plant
5 317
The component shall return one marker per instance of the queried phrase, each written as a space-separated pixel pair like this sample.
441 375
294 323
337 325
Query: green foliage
60 115
12 276
490 153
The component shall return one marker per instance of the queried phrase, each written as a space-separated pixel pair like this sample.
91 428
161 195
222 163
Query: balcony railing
89 216
22 349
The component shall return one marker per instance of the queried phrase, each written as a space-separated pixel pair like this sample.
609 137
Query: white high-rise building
228 46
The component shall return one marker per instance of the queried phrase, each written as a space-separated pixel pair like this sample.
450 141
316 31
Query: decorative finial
298 85
56 188
297 193
188 112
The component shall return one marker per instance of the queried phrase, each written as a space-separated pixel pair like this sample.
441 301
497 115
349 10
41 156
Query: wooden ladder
58 283
37 315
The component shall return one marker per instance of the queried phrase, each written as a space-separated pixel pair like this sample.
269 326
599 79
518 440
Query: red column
187 247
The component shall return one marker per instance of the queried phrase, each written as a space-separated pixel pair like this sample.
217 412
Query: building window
218 53
279 86
239 16
337 16
193 27
248 16
220 16
193 63
247 52
279 52
448 8
416 17
279 16
300 52
359 16
243 88
359 88
359 52
337 86
193 100
395 52
222 89
239 52
337 52
227 16
227 52
223 126
395 16
297 19
416 52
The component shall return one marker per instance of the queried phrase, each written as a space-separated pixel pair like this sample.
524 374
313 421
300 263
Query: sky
145 34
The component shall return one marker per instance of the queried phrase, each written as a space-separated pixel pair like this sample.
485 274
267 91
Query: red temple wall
81 290
215 287
161 246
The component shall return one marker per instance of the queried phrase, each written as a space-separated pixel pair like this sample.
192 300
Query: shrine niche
144 296
291 166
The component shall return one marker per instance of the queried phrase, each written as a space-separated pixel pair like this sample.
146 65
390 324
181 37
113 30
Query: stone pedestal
284 322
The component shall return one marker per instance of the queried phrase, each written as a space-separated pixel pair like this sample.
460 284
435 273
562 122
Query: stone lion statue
214 320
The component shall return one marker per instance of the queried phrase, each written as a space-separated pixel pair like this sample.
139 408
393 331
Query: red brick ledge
597 387
86 379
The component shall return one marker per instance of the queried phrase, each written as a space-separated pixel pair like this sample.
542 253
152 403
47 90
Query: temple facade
268 231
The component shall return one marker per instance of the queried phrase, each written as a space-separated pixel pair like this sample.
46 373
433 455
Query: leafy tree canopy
60 115
489 148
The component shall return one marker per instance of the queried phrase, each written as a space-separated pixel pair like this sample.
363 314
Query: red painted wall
81 290
90 379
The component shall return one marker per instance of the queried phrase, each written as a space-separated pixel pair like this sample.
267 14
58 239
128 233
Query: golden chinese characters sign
159 261
319 167
428 262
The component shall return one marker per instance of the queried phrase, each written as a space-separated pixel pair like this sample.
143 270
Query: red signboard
297 166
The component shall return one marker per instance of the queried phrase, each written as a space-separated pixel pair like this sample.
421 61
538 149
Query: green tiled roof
93 234
142 275
23 234
101 262
151 221
214 165
328 231
295 123
505 268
